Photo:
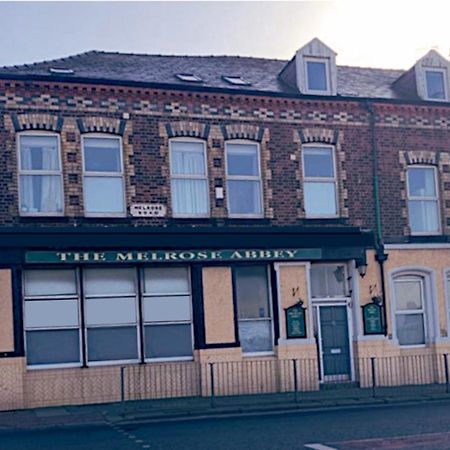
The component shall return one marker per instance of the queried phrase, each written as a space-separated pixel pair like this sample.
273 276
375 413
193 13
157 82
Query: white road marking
319 447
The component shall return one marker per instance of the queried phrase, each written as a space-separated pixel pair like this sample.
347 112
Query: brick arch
187 129
243 131
101 125
33 121
319 135
420 157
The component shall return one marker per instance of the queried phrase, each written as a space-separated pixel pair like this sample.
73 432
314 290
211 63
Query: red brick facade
147 119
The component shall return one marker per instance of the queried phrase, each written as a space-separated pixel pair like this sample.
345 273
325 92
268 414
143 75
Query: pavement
420 426
188 409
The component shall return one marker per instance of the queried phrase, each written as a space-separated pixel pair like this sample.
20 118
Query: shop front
99 300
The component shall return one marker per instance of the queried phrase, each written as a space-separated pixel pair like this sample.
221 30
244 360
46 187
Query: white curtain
189 196
188 158
40 193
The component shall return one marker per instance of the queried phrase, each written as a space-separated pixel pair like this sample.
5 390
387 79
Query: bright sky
379 33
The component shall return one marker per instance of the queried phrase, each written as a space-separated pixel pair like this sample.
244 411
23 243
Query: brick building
170 209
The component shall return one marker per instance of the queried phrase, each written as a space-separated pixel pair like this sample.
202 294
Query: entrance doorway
333 341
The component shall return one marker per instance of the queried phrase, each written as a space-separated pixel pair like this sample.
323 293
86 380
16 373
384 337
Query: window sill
53 366
257 354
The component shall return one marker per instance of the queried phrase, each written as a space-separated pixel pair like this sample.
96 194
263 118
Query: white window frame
415 198
54 297
444 81
271 318
405 277
326 61
321 180
87 174
347 287
177 322
21 172
190 177
135 295
257 178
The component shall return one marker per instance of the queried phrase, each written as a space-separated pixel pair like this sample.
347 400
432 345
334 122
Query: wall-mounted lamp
361 265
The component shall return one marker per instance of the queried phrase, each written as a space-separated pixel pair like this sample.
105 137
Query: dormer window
435 84
317 75
313 70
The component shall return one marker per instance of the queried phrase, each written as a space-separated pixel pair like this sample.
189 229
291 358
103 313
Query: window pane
410 329
109 281
421 182
408 295
190 196
244 197
40 193
110 311
423 216
317 75
435 84
320 199
187 158
318 162
166 280
251 290
41 348
327 281
255 336
167 309
168 341
104 194
39 153
112 344
242 159
51 313
50 282
102 155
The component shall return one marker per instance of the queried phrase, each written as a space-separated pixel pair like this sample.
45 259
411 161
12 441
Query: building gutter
380 254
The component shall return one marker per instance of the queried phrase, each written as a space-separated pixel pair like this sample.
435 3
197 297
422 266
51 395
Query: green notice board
372 319
295 322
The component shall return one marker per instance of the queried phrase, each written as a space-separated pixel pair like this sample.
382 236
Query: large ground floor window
107 315
251 290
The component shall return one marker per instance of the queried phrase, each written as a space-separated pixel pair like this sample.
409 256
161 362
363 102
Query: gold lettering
170 255
124 256
202 255
186 255
142 256
216 255
99 257
154 256
81 256
63 256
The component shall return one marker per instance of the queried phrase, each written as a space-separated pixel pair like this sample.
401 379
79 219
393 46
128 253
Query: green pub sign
168 256
296 321
372 319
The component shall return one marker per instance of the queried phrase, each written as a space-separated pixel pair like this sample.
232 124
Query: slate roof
158 70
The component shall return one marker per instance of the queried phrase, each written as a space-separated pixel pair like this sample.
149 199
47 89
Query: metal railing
222 383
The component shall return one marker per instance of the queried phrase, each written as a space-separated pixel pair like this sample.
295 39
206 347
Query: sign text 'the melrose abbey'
171 255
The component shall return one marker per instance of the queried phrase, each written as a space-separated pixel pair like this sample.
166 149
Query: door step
328 385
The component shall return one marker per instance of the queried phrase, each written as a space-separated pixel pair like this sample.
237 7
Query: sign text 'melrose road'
171 255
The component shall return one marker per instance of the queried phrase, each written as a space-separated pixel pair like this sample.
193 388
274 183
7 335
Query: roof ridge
46 61
187 56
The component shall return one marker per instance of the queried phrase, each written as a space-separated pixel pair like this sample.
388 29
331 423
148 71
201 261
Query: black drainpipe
380 255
